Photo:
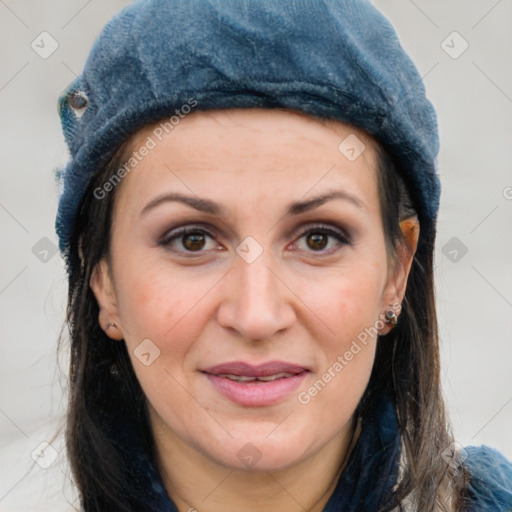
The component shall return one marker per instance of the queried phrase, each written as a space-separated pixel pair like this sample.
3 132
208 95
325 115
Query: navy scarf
364 486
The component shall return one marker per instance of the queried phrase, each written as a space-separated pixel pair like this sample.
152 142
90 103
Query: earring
111 324
391 318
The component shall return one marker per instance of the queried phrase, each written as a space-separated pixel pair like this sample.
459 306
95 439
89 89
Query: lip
256 393
260 370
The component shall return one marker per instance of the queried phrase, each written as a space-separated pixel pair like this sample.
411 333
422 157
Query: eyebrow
200 204
208 206
304 206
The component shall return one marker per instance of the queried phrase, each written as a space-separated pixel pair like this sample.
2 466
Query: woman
248 218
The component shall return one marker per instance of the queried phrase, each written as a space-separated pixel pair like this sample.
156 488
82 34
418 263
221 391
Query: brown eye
317 241
323 239
193 241
188 240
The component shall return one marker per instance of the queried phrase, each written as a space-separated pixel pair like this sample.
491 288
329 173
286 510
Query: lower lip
257 394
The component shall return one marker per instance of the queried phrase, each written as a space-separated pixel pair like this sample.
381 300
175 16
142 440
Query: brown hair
103 383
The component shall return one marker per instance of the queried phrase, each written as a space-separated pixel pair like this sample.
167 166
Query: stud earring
111 324
391 318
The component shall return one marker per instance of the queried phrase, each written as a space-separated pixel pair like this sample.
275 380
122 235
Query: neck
196 482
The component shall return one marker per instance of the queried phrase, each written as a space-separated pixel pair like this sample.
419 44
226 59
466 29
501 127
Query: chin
251 451
257 456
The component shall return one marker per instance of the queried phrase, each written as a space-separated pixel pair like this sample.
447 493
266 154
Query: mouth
246 378
256 386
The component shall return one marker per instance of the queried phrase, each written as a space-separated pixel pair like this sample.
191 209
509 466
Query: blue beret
336 59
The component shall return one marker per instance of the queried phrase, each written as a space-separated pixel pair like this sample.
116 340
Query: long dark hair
102 382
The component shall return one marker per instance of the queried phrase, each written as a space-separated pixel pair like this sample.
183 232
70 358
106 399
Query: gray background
472 93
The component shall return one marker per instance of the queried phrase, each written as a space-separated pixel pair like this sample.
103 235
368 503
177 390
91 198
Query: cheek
166 309
333 393
347 302
352 314
349 305
158 304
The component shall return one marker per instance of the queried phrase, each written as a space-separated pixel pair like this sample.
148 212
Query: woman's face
249 277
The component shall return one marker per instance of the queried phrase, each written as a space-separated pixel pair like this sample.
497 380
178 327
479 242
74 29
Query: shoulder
490 484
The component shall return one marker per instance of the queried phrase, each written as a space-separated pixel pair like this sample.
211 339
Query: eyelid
185 229
329 229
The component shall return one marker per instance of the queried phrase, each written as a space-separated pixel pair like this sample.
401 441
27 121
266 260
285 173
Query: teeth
243 378
239 378
276 376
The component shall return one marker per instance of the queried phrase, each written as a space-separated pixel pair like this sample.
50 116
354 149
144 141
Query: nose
256 301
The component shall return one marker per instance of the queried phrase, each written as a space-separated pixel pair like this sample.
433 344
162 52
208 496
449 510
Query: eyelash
340 236
181 232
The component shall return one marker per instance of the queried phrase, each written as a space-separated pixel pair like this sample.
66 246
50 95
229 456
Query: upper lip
261 370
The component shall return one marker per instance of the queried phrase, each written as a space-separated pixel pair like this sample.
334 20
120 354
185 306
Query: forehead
264 123
237 151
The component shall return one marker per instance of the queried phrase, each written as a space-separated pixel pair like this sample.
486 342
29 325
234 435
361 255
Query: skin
296 302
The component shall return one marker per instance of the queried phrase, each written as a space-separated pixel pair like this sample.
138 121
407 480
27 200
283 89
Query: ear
102 288
398 274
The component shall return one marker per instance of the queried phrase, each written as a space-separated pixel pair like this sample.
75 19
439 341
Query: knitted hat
337 59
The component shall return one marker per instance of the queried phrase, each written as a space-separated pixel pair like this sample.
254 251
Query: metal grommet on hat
77 101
